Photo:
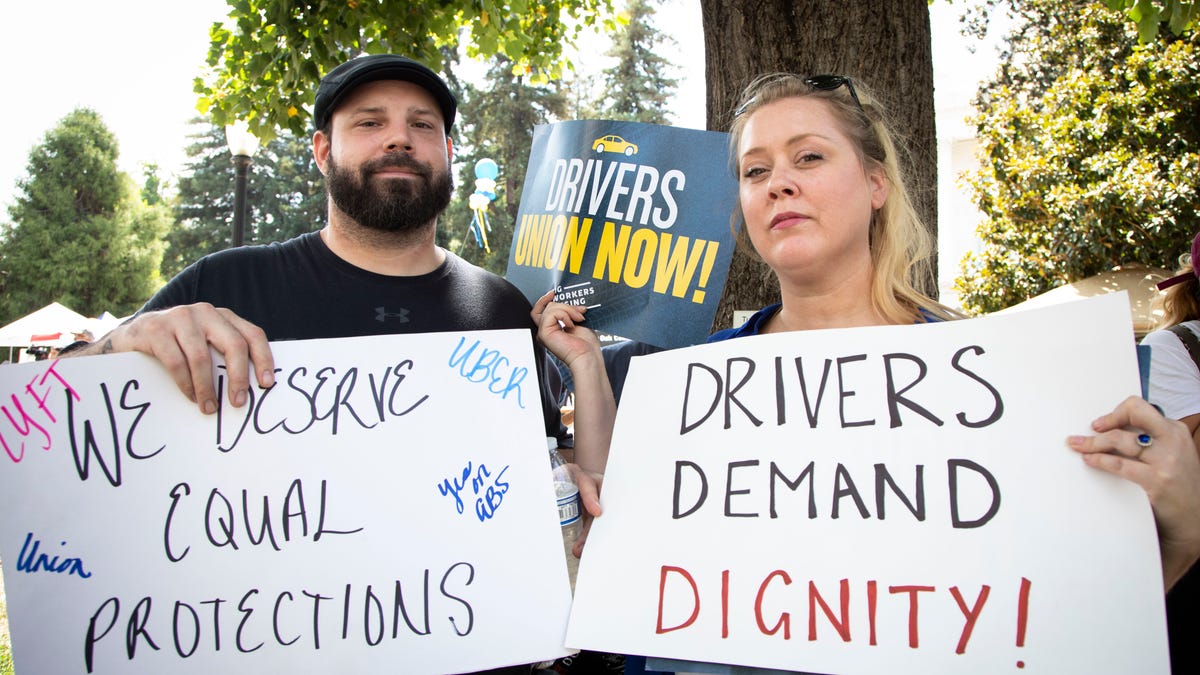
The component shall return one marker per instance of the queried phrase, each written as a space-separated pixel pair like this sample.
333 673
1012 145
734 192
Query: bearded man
382 141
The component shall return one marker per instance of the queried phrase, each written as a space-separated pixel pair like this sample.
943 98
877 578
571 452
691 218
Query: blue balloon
486 168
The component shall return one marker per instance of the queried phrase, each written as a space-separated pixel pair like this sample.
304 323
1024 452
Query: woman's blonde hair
901 248
1181 302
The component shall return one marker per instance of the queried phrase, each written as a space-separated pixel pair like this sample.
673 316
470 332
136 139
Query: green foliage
637 88
268 58
497 122
152 185
1148 15
80 233
284 196
278 50
1090 145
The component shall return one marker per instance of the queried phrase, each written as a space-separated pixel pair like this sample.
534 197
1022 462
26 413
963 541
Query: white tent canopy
100 325
51 326
52 320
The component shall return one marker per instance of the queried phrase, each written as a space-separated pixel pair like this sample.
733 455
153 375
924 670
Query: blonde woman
823 203
1174 370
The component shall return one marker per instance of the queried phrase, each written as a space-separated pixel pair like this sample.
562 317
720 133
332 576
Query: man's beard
400 205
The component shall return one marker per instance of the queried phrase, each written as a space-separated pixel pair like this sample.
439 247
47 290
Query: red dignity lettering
763 603
662 584
912 608
814 598
725 604
785 619
872 605
972 614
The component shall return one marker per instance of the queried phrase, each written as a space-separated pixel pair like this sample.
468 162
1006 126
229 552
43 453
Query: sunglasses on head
831 82
820 83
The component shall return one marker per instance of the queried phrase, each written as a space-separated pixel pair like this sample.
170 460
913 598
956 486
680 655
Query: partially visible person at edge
1174 374
823 203
381 139
1174 386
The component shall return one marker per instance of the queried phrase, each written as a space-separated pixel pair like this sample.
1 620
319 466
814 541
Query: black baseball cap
340 81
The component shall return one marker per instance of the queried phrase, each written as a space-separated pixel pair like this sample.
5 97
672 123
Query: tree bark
885 45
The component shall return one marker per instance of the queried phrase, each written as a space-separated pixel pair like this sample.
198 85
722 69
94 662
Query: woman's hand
1136 442
559 330
589 483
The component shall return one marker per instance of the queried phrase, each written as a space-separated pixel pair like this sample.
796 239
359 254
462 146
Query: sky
133 61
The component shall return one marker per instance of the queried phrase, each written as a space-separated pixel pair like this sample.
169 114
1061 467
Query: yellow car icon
614 144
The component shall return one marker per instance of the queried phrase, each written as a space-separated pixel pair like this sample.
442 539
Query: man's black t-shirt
299 289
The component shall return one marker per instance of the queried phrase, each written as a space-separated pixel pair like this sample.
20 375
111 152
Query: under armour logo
381 314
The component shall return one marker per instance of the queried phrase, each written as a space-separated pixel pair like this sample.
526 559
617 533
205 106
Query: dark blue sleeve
1143 357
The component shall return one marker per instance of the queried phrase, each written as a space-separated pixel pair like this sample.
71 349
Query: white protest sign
890 499
386 507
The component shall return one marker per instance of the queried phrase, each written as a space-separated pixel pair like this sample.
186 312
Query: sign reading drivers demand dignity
888 499
385 507
631 220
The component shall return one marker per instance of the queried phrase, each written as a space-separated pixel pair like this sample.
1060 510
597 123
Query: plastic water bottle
569 515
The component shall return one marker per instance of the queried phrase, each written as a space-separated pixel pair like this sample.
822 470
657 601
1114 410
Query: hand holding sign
875 529
1164 462
561 330
349 526
181 338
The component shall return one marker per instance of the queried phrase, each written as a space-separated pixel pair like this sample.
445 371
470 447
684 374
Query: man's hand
181 337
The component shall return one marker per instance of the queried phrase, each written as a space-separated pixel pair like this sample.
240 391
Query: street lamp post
242 146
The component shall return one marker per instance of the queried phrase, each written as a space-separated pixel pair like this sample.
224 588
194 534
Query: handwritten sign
386 507
891 499
630 219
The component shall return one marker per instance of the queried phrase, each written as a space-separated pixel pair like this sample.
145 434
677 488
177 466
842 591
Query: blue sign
631 220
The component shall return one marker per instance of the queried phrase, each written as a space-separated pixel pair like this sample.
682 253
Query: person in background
1174 387
1175 347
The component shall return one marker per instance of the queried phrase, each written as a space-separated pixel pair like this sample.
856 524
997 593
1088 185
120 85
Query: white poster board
755 505
410 522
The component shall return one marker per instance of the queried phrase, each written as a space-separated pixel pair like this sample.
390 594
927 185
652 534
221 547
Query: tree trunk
886 45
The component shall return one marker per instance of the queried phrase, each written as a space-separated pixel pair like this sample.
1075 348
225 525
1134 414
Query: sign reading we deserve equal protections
891 499
386 507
